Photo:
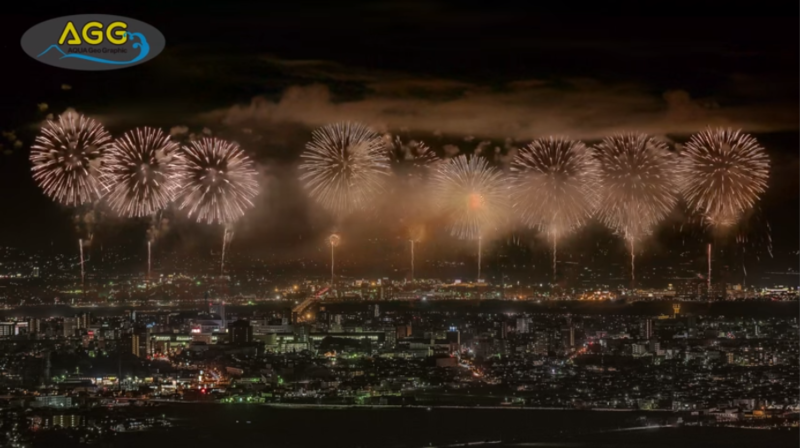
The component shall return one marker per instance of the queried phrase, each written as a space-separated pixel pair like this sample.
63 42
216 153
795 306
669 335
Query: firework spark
139 174
722 174
554 186
67 158
636 185
345 167
412 161
217 181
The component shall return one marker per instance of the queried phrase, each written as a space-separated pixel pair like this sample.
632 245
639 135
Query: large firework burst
217 180
554 185
471 194
723 172
637 183
345 167
139 173
67 158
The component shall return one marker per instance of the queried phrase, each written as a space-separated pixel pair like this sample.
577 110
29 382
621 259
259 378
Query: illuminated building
374 309
7 329
403 331
69 326
523 325
135 345
219 310
167 342
34 326
55 401
676 308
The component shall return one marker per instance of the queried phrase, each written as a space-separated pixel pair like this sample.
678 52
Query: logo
92 42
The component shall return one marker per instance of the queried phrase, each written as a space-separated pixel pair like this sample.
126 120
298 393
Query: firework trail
472 195
345 166
334 241
227 237
217 181
554 187
723 173
636 186
415 234
139 173
67 158
83 273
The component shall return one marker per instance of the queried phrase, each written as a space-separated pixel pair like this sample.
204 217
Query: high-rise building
647 329
241 332
135 344
541 343
218 309
34 325
83 321
140 342
523 325
571 335
374 310
502 332
69 326
639 349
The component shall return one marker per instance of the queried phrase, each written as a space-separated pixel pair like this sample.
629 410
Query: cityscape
305 243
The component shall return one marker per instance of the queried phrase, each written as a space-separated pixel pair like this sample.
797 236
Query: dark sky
267 76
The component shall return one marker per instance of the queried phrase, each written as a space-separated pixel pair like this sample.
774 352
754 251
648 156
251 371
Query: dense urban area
388 343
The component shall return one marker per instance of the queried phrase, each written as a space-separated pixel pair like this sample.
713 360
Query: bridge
303 306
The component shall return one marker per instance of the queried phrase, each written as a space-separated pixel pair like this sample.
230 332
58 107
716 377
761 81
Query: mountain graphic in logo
142 45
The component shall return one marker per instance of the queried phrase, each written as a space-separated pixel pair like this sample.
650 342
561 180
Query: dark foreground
244 426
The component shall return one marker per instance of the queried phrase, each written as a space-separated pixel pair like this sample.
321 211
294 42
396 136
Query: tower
676 308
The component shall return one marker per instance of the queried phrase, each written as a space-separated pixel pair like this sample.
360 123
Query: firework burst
139 174
554 186
67 158
471 194
636 185
217 181
722 174
345 167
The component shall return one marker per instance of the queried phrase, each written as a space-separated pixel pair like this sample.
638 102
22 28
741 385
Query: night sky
451 76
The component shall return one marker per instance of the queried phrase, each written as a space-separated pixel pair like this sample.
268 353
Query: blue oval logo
93 42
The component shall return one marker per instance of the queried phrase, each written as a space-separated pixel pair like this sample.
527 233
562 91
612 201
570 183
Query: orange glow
475 200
